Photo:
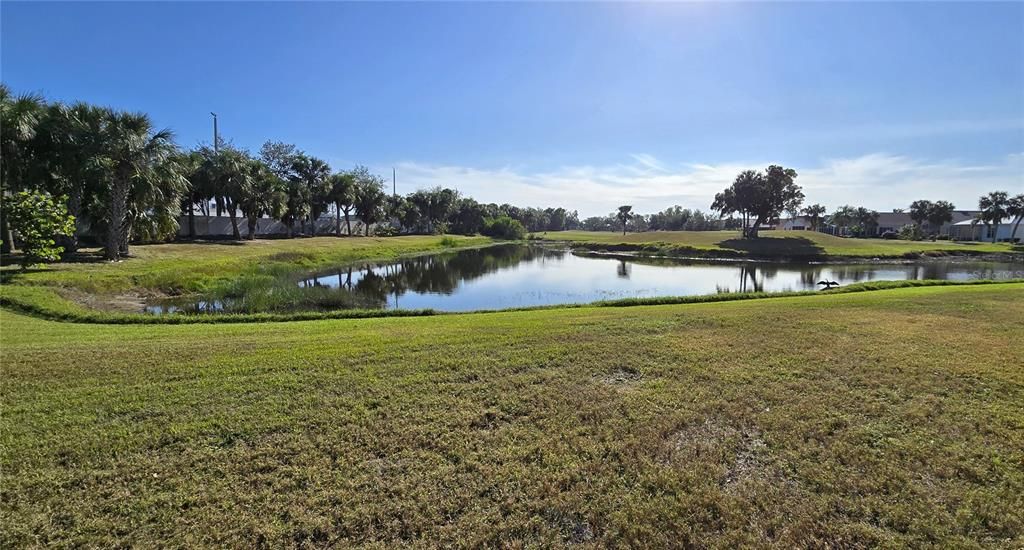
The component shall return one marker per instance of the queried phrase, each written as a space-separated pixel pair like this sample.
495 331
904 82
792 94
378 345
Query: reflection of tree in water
438 274
623 269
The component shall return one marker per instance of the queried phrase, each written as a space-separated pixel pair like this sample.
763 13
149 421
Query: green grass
771 244
890 418
91 284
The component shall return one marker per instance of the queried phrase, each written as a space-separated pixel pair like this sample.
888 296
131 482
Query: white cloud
879 181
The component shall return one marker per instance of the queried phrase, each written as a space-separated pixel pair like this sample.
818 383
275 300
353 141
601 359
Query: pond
506 276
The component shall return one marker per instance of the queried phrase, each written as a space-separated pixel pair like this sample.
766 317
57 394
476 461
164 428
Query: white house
972 230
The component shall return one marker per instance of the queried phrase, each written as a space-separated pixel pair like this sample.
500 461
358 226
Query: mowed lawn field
789 244
888 418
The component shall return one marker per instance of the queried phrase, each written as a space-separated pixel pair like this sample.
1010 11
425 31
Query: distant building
972 230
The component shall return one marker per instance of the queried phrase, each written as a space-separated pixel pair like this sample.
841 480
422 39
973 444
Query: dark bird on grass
827 284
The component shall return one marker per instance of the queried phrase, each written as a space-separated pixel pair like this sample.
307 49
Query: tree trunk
126 235
118 209
337 220
192 215
235 233
755 227
312 225
367 228
7 246
348 224
1016 224
252 228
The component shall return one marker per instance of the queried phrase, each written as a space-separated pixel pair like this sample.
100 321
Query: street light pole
215 138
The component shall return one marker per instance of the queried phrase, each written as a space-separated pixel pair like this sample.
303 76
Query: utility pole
394 187
215 138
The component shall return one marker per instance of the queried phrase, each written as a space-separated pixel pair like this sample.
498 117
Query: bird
828 284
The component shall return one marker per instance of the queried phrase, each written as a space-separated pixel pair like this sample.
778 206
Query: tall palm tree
343 195
263 195
814 213
993 208
19 118
370 199
133 152
313 173
624 214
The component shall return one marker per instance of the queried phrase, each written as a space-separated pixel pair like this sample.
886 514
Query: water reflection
517 276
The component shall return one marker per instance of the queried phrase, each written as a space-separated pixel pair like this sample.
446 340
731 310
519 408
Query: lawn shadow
784 247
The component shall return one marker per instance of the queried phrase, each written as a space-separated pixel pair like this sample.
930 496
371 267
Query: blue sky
584 105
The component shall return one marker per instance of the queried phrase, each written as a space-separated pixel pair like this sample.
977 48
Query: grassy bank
888 418
88 283
771 245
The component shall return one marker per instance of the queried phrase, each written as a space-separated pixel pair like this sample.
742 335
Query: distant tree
867 222
941 212
624 214
814 214
993 210
1015 208
760 197
296 204
38 219
313 173
467 217
280 157
370 197
919 211
844 217
343 195
264 194
434 205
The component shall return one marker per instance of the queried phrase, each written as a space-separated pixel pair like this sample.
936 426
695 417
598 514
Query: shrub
449 242
504 227
910 232
38 219
385 230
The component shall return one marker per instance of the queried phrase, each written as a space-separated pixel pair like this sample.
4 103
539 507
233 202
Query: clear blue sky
592 104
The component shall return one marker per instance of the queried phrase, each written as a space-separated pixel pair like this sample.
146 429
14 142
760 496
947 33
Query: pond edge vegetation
46 303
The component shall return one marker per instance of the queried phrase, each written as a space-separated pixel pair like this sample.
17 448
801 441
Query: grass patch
891 418
191 268
771 244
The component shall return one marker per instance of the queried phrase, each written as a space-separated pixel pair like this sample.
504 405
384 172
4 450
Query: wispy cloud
878 181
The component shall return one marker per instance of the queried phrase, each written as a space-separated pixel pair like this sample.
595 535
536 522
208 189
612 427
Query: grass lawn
89 283
889 418
788 244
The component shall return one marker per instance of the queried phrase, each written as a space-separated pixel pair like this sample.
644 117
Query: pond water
507 276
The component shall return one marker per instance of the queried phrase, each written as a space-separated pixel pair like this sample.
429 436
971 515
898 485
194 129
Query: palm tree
343 195
19 118
624 214
263 194
814 213
369 203
993 209
132 152
1015 208
313 173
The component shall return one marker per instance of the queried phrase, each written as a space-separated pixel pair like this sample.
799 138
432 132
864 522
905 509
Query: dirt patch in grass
622 376
742 451
130 302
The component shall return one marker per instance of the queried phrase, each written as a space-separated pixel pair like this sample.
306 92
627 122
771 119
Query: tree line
121 180
761 197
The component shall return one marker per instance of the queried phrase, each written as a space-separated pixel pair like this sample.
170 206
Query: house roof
971 221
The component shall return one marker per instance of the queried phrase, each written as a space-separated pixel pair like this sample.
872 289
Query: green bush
504 227
38 219
910 232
